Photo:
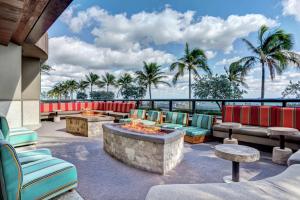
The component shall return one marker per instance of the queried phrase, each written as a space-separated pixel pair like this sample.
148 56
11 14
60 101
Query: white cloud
72 58
167 26
73 51
210 54
273 89
228 61
292 8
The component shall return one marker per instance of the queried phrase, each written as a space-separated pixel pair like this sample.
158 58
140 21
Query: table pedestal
235 177
230 141
56 119
280 156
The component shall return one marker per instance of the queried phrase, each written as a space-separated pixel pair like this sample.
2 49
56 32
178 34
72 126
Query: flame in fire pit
138 126
87 112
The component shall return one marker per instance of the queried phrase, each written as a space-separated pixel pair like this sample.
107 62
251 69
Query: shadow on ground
102 177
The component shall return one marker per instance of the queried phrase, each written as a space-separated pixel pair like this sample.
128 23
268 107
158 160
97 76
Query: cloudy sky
117 36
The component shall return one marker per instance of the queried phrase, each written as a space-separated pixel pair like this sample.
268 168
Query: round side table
281 154
230 126
236 154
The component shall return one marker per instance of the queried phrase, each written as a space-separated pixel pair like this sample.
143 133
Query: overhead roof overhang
26 21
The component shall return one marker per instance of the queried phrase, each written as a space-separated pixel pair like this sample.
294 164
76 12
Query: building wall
10 83
31 86
19 87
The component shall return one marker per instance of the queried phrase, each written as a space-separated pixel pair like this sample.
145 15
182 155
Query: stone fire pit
89 125
153 153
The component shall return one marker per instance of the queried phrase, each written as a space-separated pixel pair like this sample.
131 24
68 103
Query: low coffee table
281 154
230 126
237 154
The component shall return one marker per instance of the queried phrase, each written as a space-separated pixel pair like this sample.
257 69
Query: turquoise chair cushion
146 122
4 126
171 126
22 138
126 120
17 136
137 113
33 155
202 121
47 178
10 172
1 136
176 118
154 116
195 131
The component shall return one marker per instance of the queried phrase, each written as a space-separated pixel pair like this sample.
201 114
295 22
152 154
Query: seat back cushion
10 172
176 118
137 114
202 121
154 116
265 116
4 126
289 117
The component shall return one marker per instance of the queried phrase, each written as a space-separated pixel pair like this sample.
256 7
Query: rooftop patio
102 177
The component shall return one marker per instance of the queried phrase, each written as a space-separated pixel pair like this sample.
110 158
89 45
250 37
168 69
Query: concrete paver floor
102 177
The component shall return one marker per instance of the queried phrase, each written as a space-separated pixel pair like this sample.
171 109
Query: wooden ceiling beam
51 12
31 13
10 14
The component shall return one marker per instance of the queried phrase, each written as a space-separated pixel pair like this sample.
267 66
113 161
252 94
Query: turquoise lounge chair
175 120
200 130
31 155
17 136
42 179
153 118
134 114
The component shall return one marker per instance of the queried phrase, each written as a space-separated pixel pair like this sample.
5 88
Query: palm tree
151 75
45 68
107 80
273 50
236 73
82 85
125 80
192 60
71 87
57 91
91 79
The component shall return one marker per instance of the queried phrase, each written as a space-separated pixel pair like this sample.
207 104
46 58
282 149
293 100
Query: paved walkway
102 177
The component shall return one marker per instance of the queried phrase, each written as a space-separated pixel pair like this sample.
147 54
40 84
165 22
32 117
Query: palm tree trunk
150 91
91 91
190 88
262 80
107 88
190 84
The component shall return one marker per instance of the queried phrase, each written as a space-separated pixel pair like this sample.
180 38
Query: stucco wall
31 86
19 87
10 83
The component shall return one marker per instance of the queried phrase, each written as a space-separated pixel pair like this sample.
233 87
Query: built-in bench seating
17 136
280 187
256 120
63 109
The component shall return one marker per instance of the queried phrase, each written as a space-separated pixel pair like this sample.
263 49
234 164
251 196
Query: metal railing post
152 105
193 106
170 105
284 103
